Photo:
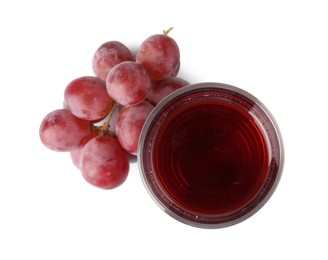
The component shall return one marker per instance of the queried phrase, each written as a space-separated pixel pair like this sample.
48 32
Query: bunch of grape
126 84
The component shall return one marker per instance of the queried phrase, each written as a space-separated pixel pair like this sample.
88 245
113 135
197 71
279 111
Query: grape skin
108 55
160 89
129 125
176 72
62 131
87 98
76 154
104 163
128 83
159 54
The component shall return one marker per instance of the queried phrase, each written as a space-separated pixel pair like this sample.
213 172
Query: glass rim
198 87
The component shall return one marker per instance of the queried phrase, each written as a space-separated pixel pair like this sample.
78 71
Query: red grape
159 54
160 89
128 83
87 98
129 125
103 115
176 72
104 163
61 131
107 56
76 154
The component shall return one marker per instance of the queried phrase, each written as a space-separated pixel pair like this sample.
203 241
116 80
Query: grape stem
166 32
104 129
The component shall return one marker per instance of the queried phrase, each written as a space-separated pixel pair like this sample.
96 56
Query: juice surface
211 157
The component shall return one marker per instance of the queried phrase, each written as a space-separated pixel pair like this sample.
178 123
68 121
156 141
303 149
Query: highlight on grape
126 84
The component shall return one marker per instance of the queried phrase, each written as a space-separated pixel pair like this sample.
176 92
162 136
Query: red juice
213 156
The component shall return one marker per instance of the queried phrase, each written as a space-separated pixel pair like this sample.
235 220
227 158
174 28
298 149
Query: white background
276 50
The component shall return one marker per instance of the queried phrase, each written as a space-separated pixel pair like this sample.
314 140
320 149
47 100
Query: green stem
167 31
104 129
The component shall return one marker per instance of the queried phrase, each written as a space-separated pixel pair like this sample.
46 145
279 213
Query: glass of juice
210 155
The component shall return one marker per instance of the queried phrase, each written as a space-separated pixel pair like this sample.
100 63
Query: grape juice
210 157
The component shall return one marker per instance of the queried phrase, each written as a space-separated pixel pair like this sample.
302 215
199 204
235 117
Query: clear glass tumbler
210 155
